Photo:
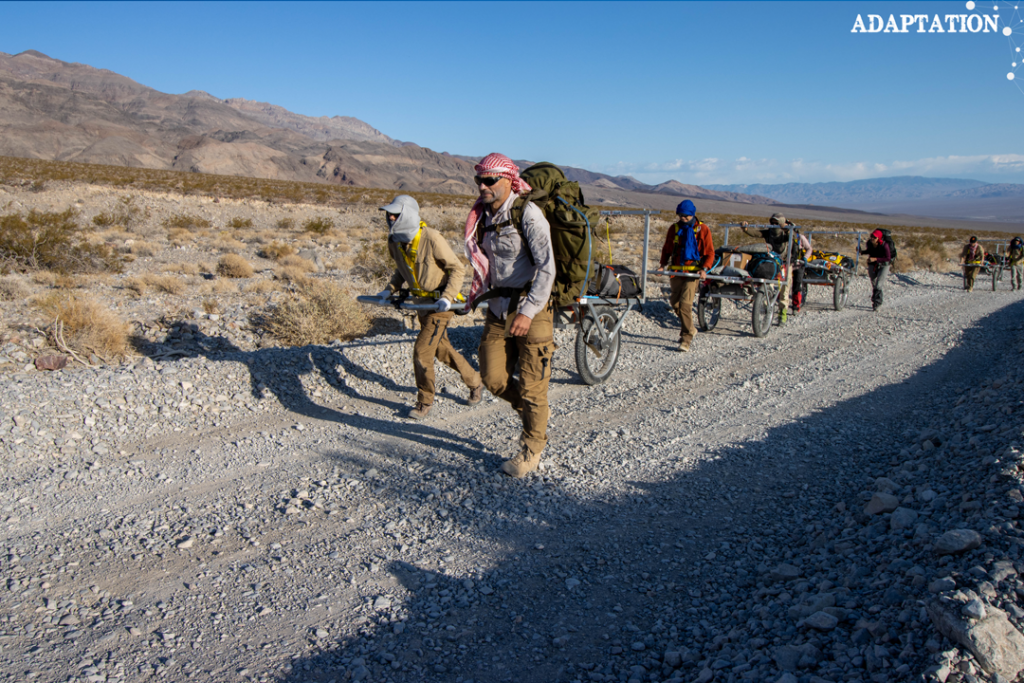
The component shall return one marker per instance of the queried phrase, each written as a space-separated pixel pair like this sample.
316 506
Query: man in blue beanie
687 249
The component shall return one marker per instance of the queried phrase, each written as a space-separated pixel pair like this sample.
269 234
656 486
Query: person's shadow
277 372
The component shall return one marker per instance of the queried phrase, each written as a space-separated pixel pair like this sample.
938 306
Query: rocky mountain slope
51 109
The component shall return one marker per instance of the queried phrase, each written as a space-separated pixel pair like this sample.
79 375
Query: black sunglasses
489 181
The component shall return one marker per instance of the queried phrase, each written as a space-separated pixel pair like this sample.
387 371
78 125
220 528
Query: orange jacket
671 251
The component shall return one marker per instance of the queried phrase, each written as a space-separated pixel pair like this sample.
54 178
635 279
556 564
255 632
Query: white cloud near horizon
992 168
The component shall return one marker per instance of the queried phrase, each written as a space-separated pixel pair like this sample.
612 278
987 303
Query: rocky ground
811 506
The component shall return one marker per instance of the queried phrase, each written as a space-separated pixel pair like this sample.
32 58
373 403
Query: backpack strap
515 220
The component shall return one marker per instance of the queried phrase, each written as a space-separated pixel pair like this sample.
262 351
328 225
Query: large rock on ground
881 502
957 541
995 642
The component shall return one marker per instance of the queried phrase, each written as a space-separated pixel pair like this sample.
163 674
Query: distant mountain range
943 197
50 109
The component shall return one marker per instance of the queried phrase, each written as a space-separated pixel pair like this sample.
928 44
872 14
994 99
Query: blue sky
702 92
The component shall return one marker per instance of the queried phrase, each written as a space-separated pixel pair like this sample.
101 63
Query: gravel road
218 514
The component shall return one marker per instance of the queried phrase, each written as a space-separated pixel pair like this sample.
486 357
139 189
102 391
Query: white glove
444 305
386 294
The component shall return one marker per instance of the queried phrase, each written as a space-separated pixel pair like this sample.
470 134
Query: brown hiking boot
420 411
522 464
476 394
684 346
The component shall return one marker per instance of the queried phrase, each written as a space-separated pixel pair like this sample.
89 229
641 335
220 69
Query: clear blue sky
703 92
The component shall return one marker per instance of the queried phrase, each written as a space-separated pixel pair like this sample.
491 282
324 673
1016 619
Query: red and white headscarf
497 165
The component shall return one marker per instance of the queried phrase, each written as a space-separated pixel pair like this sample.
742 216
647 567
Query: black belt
514 294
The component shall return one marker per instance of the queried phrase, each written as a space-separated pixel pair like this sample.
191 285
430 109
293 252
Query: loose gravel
776 509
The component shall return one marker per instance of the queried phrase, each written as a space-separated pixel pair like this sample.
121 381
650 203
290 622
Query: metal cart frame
763 294
836 276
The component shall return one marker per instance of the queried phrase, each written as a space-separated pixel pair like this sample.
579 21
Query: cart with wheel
996 263
758 294
823 269
598 319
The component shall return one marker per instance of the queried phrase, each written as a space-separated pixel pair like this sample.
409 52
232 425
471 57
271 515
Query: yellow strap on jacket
410 260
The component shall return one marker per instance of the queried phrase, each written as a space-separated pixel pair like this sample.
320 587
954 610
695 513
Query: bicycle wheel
708 313
596 358
840 293
762 315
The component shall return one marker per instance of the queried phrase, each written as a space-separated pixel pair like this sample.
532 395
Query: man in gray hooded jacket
431 271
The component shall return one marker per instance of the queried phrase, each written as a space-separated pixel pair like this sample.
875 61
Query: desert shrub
296 261
318 225
261 286
165 283
228 245
13 288
141 248
183 268
211 306
285 223
233 265
162 283
219 287
240 223
43 240
85 326
318 313
291 274
44 277
185 221
179 236
275 251
103 220
127 214
135 284
373 262
67 281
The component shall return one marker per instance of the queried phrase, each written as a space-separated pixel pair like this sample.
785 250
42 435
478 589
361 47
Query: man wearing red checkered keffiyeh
517 264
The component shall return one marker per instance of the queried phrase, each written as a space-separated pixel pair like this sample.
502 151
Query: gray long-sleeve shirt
509 263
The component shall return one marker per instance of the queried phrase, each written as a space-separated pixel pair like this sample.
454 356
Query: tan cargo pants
970 273
432 343
681 301
499 355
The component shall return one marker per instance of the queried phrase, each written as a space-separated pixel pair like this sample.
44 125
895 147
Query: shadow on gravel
593 587
279 371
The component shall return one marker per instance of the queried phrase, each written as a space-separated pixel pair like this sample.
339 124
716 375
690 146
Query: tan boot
524 462
475 395
684 346
419 412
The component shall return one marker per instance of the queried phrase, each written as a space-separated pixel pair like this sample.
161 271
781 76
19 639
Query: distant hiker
429 268
777 239
519 274
1015 260
879 259
971 259
687 248
801 252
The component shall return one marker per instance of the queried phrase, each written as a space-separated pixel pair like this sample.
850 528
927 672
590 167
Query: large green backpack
572 223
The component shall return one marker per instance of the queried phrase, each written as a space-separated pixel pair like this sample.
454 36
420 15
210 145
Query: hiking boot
522 464
420 411
476 394
683 347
